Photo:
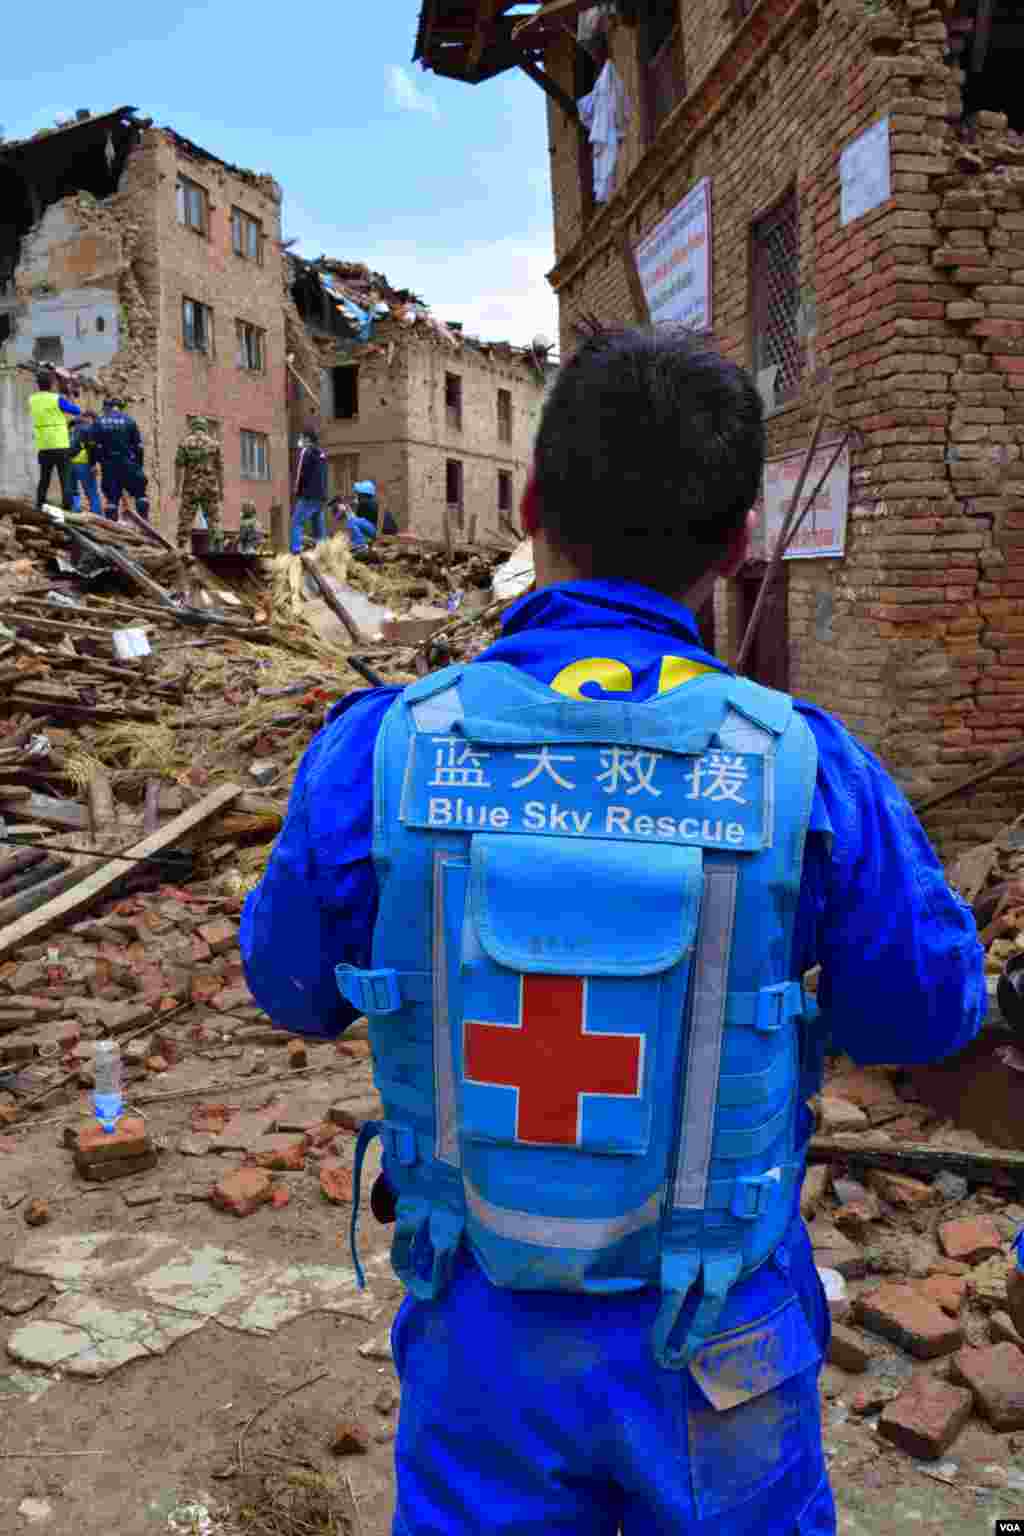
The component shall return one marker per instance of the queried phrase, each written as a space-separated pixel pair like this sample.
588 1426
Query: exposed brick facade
402 437
912 321
132 246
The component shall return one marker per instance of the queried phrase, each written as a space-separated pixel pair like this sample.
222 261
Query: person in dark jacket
310 492
118 444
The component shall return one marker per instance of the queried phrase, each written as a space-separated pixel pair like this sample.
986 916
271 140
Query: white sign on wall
822 533
674 262
864 173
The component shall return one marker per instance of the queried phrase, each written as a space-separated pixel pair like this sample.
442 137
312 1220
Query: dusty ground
236 1313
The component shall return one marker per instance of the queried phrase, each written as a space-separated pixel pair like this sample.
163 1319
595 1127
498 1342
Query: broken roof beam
561 98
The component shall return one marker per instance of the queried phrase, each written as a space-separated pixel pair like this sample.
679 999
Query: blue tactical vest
585 1033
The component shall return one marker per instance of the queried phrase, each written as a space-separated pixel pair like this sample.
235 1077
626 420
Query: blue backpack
586 1037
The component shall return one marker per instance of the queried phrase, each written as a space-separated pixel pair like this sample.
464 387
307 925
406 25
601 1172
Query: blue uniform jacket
901 966
117 439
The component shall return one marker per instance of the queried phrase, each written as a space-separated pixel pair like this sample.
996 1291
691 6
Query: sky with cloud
443 187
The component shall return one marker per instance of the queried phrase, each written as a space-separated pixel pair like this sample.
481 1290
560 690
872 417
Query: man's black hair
313 437
45 379
649 456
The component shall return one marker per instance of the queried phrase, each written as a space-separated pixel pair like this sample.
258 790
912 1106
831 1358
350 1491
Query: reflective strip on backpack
707 1028
446 1112
583 1233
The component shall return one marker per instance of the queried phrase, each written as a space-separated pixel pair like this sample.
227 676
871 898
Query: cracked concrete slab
154 1289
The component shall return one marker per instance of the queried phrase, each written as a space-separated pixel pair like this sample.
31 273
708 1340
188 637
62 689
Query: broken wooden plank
979 775
922 1159
333 601
70 903
73 709
59 876
66 814
14 863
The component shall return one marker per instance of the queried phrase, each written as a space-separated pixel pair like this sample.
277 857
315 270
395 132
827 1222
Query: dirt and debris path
182 1344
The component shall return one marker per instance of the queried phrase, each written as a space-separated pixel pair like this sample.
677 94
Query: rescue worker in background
199 482
368 507
310 492
250 532
82 465
578 931
118 444
50 412
361 531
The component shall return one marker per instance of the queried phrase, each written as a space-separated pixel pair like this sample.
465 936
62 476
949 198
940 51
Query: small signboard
674 263
864 176
822 533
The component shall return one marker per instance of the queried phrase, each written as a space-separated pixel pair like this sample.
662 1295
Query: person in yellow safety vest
50 412
82 466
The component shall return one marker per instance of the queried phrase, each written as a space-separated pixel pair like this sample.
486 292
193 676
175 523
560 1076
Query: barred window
776 295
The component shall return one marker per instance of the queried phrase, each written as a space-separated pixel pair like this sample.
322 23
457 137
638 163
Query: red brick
336 1182
243 1191
913 1321
281 1196
947 1291
926 1418
970 1239
995 1375
297 1057
210 1119
92 1144
220 935
282 1151
850 1350
357 1050
897 1189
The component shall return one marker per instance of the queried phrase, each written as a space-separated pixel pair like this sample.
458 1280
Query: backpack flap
575 966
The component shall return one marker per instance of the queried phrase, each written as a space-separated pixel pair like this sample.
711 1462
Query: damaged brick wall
912 325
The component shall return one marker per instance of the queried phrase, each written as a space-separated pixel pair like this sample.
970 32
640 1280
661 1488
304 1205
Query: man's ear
738 551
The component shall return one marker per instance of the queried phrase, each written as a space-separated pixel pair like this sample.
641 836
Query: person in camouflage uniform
199 482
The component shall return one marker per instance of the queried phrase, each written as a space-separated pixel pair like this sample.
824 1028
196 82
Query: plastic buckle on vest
774 1007
401 1143
369 991
752 1195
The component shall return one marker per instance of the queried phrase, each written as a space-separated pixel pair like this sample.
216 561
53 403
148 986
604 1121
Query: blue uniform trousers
119 477
544 1414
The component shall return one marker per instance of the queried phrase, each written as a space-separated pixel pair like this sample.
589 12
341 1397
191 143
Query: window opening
193 205
250 347
453 485
346 392
776 299
255 456
504 490
505 415
453 401
661 63
196 326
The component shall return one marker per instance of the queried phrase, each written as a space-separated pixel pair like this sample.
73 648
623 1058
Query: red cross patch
552 1060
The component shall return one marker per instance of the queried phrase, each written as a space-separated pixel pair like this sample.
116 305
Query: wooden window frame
254 441
251 342
184 188
205 345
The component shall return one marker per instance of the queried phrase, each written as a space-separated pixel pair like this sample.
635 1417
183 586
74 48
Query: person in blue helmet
574 885
117 443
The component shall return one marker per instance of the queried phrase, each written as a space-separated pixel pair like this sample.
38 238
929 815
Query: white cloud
408 95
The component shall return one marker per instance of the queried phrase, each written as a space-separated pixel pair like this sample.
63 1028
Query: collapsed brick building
855 172
152 270
441 421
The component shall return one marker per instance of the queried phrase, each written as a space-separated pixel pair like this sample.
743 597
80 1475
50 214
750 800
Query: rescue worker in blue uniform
118 445
574 886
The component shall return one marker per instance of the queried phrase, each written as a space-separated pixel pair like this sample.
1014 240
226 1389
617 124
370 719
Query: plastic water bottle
107 1100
